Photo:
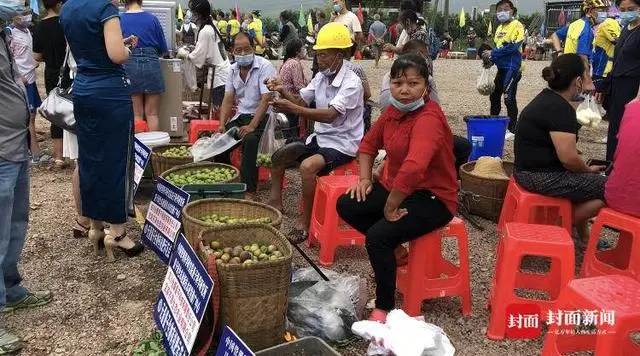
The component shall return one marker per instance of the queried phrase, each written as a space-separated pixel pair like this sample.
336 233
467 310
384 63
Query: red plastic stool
518 241
622 259
421 278
525 207
196 127
348 169
264 174
326 226
140 126
615 301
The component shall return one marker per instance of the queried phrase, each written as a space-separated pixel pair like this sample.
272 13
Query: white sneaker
509 136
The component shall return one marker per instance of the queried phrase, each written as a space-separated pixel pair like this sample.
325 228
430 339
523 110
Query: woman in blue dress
104 116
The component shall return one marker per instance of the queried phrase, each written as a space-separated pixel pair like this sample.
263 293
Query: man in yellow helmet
338 94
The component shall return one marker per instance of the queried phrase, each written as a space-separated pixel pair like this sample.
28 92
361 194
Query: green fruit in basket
247 248
277 253
264 249
217 254
271 248
228 250
237 251
225 257
234 261
215 245
273 258
263 257
248 262
245 255
255 247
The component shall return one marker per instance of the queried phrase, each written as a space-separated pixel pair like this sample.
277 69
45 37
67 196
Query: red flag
360 14
562 19
238 13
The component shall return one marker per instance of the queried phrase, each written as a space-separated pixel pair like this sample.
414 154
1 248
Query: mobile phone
599 162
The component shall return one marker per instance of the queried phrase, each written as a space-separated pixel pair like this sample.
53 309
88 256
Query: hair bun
548 74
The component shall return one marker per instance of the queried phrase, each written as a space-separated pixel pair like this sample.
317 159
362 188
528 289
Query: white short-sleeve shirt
350 20
346 95
248 92
207 51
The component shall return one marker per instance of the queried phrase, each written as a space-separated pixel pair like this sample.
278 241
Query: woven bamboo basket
483 196
162 164
201 165
253 298
236 208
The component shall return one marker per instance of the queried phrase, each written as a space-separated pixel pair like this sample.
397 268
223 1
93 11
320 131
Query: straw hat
489 167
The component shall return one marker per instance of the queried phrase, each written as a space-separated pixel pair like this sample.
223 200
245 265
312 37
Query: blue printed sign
231 345
164 218
183 300
141 157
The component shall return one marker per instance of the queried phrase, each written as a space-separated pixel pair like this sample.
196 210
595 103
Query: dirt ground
105 309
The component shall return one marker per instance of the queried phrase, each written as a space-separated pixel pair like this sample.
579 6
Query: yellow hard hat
333 35
592 4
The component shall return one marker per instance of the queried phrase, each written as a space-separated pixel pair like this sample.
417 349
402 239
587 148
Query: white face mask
10 9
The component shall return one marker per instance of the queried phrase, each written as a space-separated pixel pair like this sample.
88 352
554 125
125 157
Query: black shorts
333 158
217 94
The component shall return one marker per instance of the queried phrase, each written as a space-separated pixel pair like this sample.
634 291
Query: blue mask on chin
405 108
10 9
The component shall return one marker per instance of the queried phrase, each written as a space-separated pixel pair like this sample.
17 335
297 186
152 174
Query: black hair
292 48
408 16
242 33
637 2
415 46
234 13
51 4
321 15
407 61
563 71
509 2
203 9
129 2
407 5
286 15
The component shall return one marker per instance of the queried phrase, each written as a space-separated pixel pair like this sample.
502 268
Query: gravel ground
104 309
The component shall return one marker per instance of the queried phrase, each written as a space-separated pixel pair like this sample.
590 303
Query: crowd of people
112 59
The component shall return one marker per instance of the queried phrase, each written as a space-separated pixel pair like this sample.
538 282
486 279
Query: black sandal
80 231
298 236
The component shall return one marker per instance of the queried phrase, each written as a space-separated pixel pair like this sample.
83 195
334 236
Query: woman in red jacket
418 192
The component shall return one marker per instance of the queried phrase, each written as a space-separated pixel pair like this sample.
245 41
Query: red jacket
419 149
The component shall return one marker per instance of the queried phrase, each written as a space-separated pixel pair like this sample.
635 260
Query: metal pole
446 15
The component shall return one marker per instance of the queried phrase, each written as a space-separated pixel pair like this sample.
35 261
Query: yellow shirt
604 45
507 53
235 27
222 26
256 26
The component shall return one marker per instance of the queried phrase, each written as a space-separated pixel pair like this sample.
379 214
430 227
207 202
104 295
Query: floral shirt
292 76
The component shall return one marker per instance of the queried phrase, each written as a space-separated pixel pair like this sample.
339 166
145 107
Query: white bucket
154 138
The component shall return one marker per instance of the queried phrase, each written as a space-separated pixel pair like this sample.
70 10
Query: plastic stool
197 127
623 259
525 207
421 278
140 126
518 241
348 169
326 226
618 297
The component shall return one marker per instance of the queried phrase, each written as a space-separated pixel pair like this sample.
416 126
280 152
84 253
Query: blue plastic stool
486 134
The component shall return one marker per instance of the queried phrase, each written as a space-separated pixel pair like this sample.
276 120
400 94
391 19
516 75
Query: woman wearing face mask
292 76
546 157
622 85
419 192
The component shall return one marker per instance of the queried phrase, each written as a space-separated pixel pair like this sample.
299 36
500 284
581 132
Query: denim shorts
143 69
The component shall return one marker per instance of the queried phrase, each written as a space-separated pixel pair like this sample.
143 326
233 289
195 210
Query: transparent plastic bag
589 112
325 309
271 140
486 82
190 75
207 147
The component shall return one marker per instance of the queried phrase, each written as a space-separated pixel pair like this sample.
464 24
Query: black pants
461 150
622 91
426 213
506 84
248 168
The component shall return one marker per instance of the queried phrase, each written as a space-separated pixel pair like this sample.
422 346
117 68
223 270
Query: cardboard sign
183 300
141 157
231 345
164 218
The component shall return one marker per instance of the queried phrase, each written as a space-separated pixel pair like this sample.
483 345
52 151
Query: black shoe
287 156
134 251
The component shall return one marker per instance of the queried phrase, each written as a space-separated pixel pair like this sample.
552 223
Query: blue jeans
14 199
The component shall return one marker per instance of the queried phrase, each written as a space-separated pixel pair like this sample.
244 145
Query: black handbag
57 107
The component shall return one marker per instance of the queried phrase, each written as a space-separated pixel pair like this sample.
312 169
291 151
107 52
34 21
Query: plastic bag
403 335
207 147
190 75
272 139
325 309
486 82
589 112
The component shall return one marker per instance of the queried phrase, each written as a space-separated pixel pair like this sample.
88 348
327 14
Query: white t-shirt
207 51
22 49
346 95
352 22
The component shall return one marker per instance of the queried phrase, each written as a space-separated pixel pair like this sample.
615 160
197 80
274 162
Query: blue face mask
328 72
503 16
337 7
244 61
405 108
601 16
10 9
628 17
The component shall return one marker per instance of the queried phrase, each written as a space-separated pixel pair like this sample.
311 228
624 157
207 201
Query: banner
183 299
164 218
231 345
141 157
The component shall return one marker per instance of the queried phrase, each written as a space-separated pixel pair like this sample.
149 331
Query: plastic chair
198 127
349 169
520 240
140 126
525 207
623 258
422 279
326 226
615 301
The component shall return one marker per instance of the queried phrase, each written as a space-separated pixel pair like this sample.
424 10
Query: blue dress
103 112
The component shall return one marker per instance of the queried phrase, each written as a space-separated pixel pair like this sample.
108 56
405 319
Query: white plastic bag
403 335
325 309
189 74
589 112
207 147
486 82
271 140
